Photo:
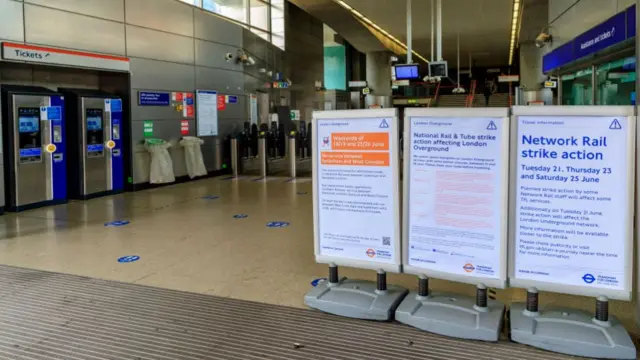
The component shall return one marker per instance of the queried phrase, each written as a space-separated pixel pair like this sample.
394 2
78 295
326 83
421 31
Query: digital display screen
407 72
94 123
94 119
29 124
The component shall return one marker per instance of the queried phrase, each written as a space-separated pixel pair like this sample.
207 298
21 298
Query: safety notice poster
207 112
457 195
574 200
356 189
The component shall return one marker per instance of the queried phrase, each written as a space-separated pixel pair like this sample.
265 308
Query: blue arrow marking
128 259
315 282
210 197
278 224
117 223
240 216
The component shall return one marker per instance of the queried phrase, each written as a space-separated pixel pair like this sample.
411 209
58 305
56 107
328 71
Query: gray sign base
356 299
452 315
572 332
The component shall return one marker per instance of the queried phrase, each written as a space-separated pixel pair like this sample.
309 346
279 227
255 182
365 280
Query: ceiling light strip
515 17
363 18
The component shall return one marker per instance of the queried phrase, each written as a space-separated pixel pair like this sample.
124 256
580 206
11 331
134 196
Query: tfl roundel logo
371 253
469 267
588 278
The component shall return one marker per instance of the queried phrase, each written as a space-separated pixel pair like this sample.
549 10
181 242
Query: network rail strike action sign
456 197
356 190
574 200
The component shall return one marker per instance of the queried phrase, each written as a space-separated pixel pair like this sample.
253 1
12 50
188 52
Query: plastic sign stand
572 215
455 227
356 208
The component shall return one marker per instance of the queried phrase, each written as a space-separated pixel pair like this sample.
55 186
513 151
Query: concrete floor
188 242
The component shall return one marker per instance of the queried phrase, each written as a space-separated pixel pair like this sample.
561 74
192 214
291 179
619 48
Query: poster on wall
207 112
253 108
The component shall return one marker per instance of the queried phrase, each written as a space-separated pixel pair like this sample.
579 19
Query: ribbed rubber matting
45 316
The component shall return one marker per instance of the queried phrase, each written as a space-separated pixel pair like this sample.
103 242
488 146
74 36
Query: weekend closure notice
572 200
356 197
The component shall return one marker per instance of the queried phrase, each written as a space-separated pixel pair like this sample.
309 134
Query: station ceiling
484 26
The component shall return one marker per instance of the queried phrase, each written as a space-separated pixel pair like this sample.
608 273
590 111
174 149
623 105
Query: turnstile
94 134
33 123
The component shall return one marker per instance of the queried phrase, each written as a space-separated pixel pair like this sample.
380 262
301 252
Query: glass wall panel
616 82
259 14
577 88
233 9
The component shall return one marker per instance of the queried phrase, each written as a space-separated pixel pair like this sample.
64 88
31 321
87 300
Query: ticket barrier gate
33 124
96 166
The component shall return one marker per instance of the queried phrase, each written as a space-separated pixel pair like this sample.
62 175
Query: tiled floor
189 242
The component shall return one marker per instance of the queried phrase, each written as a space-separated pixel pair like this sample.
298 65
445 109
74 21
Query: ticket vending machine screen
29 139
95 133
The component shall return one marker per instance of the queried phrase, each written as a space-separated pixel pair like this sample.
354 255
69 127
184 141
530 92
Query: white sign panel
253 109
356 189
207 112
455 194
48 55
573 191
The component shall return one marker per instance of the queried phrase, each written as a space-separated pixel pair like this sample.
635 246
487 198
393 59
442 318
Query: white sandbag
161 169
193 156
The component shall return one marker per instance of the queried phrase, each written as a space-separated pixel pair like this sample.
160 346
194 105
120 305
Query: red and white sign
184 127
222 103
178 96
48 55
508 78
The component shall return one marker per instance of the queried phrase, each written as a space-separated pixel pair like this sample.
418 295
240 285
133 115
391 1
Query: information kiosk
96 165
356 209
571 227
455 217
33 124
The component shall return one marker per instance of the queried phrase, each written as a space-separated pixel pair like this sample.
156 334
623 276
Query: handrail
472 94
435 97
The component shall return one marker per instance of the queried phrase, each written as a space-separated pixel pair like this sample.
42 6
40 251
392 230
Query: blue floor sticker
128 259
117 223
315 282
277 224
210 197
240 216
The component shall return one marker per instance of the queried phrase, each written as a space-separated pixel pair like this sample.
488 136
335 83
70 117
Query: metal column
559 90
291 155
409 36
594 83
234 157
262 156
218 152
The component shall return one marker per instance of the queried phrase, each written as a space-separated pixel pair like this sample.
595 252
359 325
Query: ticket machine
33 122
94 132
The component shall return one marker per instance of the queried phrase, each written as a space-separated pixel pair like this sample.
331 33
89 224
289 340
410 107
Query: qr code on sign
386 240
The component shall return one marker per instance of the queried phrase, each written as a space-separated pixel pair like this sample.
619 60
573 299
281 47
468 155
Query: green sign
130 180
148 128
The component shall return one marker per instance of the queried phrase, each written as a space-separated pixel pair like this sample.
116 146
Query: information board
456 194
207 112
572 199
356 188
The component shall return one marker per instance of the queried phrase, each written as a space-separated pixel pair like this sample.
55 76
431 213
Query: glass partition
615 82
577 88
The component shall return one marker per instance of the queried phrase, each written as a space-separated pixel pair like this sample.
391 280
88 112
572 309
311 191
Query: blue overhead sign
600 37
148 98
613 31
